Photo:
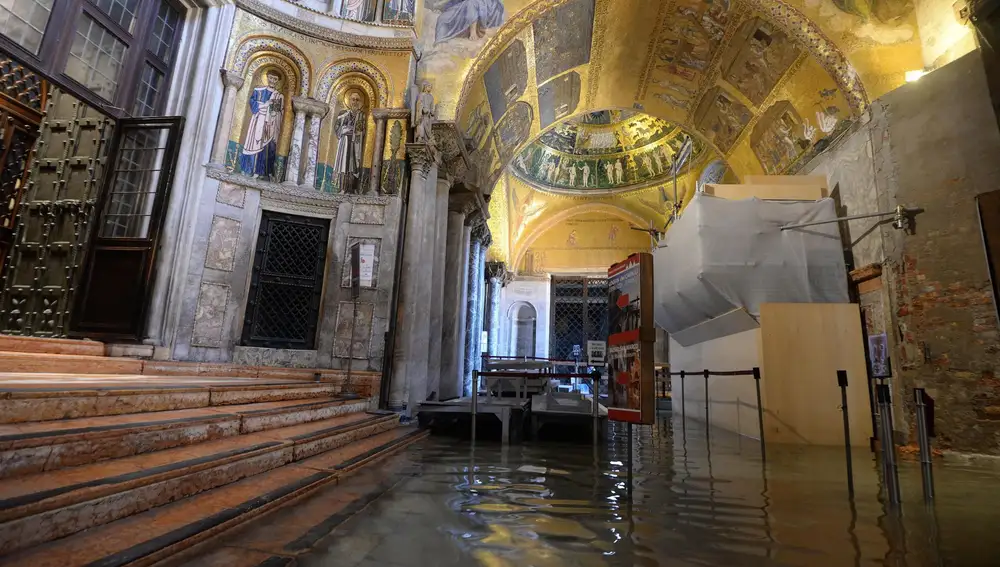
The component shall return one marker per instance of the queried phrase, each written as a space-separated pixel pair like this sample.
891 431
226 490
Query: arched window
523 326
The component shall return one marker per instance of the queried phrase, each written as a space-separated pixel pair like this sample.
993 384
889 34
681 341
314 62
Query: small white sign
367 270
597 352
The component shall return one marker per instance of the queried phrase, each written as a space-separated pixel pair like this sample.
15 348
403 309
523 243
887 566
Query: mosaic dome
604 151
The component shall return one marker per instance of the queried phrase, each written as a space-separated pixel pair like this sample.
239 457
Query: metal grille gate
579 314
287 282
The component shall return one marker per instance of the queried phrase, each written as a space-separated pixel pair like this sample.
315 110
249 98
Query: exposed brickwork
942 304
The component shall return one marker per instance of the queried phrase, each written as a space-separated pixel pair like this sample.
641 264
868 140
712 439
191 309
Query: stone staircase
113 465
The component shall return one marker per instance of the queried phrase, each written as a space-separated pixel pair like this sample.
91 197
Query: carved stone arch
331 75
254 45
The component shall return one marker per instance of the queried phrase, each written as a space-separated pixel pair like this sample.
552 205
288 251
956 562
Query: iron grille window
287 282
118 54
579 314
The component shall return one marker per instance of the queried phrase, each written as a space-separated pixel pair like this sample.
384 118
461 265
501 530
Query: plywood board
738 192
788 180
802 347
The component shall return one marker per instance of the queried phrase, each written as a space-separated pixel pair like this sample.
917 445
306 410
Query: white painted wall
533 290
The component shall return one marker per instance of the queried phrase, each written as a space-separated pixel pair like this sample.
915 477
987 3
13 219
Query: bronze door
118 277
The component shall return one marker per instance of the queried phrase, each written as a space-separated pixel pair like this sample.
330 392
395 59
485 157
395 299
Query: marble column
409 384
233 83
317 110
493 287
453 316
293 165
474 303
375 183
438 251
461 338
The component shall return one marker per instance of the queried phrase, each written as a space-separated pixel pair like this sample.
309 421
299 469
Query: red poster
631 395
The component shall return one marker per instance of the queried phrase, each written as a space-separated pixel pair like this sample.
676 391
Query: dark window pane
24 21
150 85
161 41
120 11
95 58
129 208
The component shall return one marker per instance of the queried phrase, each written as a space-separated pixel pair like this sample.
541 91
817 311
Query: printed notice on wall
631 337
367 267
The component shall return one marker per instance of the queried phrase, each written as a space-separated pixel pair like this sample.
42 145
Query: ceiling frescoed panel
604 151
762 85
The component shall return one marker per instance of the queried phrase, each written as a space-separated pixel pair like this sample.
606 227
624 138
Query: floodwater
690 502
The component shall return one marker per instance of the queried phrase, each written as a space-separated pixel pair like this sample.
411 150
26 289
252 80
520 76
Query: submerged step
47 506
154 535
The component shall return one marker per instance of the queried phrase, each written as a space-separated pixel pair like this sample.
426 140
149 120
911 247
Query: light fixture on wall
914 76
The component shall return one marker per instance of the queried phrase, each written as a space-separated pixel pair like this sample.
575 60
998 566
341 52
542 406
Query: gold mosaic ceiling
604 152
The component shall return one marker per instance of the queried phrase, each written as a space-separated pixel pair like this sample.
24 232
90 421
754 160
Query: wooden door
117 280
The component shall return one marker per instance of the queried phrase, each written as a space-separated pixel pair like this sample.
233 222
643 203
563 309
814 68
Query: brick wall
933 144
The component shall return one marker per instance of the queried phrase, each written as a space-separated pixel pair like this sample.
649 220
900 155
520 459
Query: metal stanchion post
891 472
708 423
683 402
629 461
595 384
475 402
926 474
842 382
760 413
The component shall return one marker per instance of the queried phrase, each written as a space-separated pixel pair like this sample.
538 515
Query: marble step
51 445
26 404
47 506
157 534
13 343
34 362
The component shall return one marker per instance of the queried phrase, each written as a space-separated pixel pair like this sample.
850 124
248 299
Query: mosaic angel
260 147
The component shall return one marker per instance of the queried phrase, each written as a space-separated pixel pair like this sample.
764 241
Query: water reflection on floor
691 503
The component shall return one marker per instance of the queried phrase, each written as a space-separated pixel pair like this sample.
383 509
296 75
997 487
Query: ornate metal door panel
116 283
22 98
579 314
54 219
287 282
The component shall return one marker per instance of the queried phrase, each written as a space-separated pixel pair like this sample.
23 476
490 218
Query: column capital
481 233
499 272
383 113
422 157
231 79
309 105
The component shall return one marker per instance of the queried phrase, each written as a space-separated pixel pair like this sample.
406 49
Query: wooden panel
767 192
788 180
802 347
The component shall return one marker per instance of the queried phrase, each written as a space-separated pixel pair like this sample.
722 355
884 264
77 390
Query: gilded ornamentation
253 45
329 76
267 13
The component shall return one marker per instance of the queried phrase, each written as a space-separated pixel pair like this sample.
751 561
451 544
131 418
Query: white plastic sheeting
723 255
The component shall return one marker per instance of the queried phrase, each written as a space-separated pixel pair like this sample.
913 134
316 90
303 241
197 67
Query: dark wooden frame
149 246
989 223
60 31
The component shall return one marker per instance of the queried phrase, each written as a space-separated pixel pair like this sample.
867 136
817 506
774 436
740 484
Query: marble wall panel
209 318
222 241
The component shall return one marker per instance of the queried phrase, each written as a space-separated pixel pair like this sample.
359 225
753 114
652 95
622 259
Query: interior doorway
523 326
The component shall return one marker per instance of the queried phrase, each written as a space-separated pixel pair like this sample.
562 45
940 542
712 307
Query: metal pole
926 474
630 461
596 380
760 413
683 402
842 382
838 219
706 396
350 356
475 402
888 445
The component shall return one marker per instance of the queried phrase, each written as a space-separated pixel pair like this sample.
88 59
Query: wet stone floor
444 503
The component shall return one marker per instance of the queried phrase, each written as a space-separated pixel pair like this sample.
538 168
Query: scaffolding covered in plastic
725 256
